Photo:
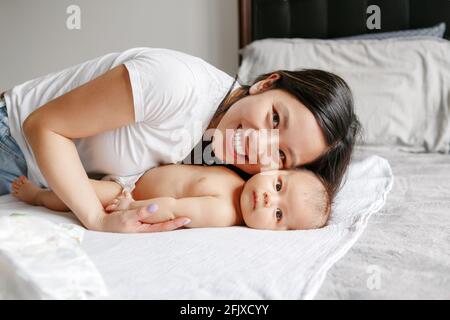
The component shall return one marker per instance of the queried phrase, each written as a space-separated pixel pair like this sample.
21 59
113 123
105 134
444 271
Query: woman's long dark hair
330 100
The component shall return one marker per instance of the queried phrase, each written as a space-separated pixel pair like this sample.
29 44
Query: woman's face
240 138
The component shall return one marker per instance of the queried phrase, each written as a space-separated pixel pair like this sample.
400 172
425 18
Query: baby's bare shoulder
218 181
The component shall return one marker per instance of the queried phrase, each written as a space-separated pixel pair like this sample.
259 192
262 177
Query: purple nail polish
152 208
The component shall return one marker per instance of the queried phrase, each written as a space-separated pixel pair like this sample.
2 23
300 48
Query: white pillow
400 86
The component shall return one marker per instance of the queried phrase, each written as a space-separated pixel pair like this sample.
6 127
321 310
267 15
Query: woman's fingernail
186 221
152 208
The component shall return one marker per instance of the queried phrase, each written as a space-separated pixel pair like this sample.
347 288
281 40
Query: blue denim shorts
12 160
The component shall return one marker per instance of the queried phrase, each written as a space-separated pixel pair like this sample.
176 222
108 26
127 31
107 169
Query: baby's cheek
249 219
257 220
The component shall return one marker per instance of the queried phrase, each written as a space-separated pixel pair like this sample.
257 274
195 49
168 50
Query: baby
212 196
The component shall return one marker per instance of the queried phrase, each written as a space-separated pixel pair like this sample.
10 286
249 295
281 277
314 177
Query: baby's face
275 200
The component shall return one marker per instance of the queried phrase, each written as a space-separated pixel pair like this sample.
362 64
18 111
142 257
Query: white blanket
42 260
236 262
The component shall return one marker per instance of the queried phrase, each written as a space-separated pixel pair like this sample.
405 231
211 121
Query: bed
406 247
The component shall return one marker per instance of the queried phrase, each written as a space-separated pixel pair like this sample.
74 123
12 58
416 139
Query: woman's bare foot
25 190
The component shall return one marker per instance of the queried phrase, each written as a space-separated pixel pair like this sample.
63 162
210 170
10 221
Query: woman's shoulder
204 73
170 84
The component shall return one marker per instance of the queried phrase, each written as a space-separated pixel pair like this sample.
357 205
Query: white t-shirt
175 96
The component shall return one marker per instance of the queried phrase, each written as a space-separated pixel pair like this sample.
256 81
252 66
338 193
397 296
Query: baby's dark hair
319 200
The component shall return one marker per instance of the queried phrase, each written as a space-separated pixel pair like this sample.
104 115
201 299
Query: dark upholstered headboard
261 19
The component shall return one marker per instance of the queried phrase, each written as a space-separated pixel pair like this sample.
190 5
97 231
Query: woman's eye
279 214
282 156
275 119
278 185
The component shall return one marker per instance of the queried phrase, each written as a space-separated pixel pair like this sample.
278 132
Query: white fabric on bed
236 262
401 86
42 260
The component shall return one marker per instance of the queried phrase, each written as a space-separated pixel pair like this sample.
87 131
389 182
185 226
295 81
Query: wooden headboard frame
245 22
260 19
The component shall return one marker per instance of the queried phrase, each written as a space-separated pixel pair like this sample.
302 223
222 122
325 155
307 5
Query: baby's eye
282 156
278 185
275 119
279 214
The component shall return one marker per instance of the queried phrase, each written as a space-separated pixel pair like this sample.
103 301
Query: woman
124 113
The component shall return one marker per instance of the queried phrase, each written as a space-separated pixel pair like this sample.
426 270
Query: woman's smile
237 144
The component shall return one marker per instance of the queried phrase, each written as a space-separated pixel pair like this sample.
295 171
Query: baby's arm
207 211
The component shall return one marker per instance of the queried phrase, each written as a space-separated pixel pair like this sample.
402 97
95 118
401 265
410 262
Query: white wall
34 39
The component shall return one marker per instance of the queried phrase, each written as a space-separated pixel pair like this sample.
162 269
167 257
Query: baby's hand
122 202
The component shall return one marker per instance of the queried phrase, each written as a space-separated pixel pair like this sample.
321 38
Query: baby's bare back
181 181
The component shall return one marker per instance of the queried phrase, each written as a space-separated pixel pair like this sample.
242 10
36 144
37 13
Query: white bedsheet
237 262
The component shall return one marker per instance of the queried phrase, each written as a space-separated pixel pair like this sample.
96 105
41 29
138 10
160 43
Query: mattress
405 251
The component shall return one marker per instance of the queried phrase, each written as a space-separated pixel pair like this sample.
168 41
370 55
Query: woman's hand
131 221
129 216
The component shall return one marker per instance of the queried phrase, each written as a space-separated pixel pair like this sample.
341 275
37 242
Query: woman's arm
102 104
